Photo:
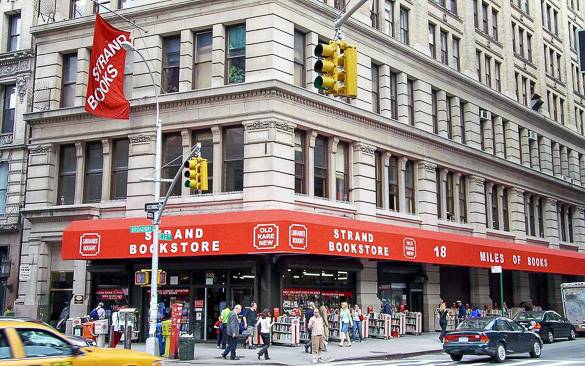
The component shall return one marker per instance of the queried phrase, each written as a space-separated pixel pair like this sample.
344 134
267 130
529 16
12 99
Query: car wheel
536 350
549 337
500 355
572 334
455 357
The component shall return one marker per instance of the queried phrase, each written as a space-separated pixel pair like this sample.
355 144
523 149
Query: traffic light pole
349 10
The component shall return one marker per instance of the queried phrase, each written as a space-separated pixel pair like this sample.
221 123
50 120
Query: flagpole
119 15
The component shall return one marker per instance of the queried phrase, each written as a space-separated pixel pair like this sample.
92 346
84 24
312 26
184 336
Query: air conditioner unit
532 135
567 179
485 114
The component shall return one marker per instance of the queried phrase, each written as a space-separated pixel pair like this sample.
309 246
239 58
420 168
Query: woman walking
317 330
442 312
265 323
358 317
325 316
346 321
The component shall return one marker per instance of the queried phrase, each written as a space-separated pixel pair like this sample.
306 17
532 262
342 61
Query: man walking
250 317
308 315
462 312
222 328
233 331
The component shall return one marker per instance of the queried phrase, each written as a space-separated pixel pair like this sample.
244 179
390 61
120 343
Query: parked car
496 337
549 324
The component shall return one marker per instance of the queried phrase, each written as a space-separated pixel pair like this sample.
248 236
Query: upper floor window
300 162
434 111
67 170
404 25
410 94
484 18
94 168
462 199
389 18
120 169
498 76
495 24
375 88
374 10
475 15
432 46
3 186
13 32
320 173
394 95
339 4
77 9
233 159
342 172
455 53
202 60
393 183
379 172
409 187
101 6
170 64
9 107
444 49
299 59
236 54
450 197
68 83
123 4
171 160
205 138
495 208
448 105
128 73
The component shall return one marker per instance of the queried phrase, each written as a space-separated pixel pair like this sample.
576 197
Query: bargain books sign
105 89
281 231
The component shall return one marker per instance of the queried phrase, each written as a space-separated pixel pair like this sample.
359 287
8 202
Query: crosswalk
472 361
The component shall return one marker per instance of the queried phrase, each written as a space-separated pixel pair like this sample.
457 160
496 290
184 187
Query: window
439 190
448 102
450 197
521 41
69 76
341 172
495 24
374 10
39 343
77 9
233 159
527 6
432 40
379 172
13 32
505 209
170 64
389 18
549 17
171 159
394 95
514 47
551 60
393 184
524 91
530 224
67 169
4 347
409 187
300 159
559 76
495 218
482 128
236 54
562 110
120 169
475 16
484 14
529 46
556 21
3 189
453 7
570 223
488 75
562 225
410 91
462 200
202 60
478 64
434 111
339 4
375 88
205 138
128 73
9 106
321 157
497 75
462 121
444 50
455 52
299 59
94 167
404 25
101 6
127 3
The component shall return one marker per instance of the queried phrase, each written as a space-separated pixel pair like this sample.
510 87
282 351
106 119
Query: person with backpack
308 315
264 324
99 313
250 317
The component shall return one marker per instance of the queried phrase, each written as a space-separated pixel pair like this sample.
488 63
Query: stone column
564 161
140 164
332 149
443 187
472 126
555 301
218 157
476 204
574 166
80 172
268 161
107 169
479 286
467 45
431 296
423 106
401 178
579 228
426 194
516 210
142 83
81 78
556 159
367 285
311 163
488 142
551 224
535 158
27 303
456 119
80 283
524 147
443 126
546 163
498 126
521 288
218 56
512 142
385 102
419 14
186 61
364 182
402 98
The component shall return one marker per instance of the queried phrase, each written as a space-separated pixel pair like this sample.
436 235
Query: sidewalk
207 353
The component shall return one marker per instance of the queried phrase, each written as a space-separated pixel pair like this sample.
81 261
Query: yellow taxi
28 343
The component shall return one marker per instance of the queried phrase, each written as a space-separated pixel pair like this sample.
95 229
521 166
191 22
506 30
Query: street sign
140 229
165 236
496 269
150 215
152 206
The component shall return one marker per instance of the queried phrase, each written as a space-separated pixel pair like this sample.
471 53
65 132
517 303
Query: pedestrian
116 327
386 308
475 312
217 327
233 331
442 313
9 312
250 317
308 315
358 318
265 323
325 316
225 313
346 323
98 313
462 312
317 331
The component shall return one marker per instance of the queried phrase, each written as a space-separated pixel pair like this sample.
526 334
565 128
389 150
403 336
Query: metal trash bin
186 348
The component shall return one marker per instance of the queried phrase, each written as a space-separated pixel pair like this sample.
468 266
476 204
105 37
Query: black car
491 336
549 324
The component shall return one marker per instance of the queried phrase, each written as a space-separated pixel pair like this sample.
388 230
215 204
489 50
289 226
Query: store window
202 60
379 172
393 184
462 199
170 64
94 167
299 59
342 172
120 169
233 159
3 186
67 169
9 108
321 158
171 161
409 187
205 138
68 83
404 25
60 291
236 54
13 32
300 162
77 9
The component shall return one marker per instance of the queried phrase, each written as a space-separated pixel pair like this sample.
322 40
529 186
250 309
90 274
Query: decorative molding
13 67
140 139
428 166
365 148
262 125
22 86
479 181
6 139
40 149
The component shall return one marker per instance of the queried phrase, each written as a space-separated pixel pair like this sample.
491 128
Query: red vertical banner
176 311
105 88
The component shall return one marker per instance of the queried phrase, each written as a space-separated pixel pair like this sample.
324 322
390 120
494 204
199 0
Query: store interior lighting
311 274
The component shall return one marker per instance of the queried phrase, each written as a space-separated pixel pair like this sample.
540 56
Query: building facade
16 64
441 144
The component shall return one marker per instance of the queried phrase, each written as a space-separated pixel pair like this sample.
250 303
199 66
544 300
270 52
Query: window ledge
456 227
220 197
324 202
569 246
402 217
536 240
500 234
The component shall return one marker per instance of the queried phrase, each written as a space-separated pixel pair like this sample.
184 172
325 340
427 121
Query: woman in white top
264 323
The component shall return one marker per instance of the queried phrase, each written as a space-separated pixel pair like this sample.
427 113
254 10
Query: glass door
243 296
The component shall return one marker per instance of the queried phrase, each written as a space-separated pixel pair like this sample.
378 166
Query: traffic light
337 68
196 172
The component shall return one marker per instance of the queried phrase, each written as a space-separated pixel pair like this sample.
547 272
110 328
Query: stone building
16 63
440 146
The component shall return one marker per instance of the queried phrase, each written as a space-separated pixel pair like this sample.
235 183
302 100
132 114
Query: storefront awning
281 231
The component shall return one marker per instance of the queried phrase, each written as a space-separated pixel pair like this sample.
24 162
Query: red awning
280 231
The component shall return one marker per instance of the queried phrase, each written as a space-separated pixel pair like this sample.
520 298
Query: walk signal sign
337 68
196 174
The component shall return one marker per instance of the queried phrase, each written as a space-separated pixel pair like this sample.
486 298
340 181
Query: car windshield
529 316
475 324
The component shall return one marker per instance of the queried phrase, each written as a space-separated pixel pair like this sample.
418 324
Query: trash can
186 348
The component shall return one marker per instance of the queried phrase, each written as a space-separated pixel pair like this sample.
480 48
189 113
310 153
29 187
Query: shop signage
78 300
152 206
140 229
209 276
198 304
24 272
246 232
496 269
110 294
165 236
